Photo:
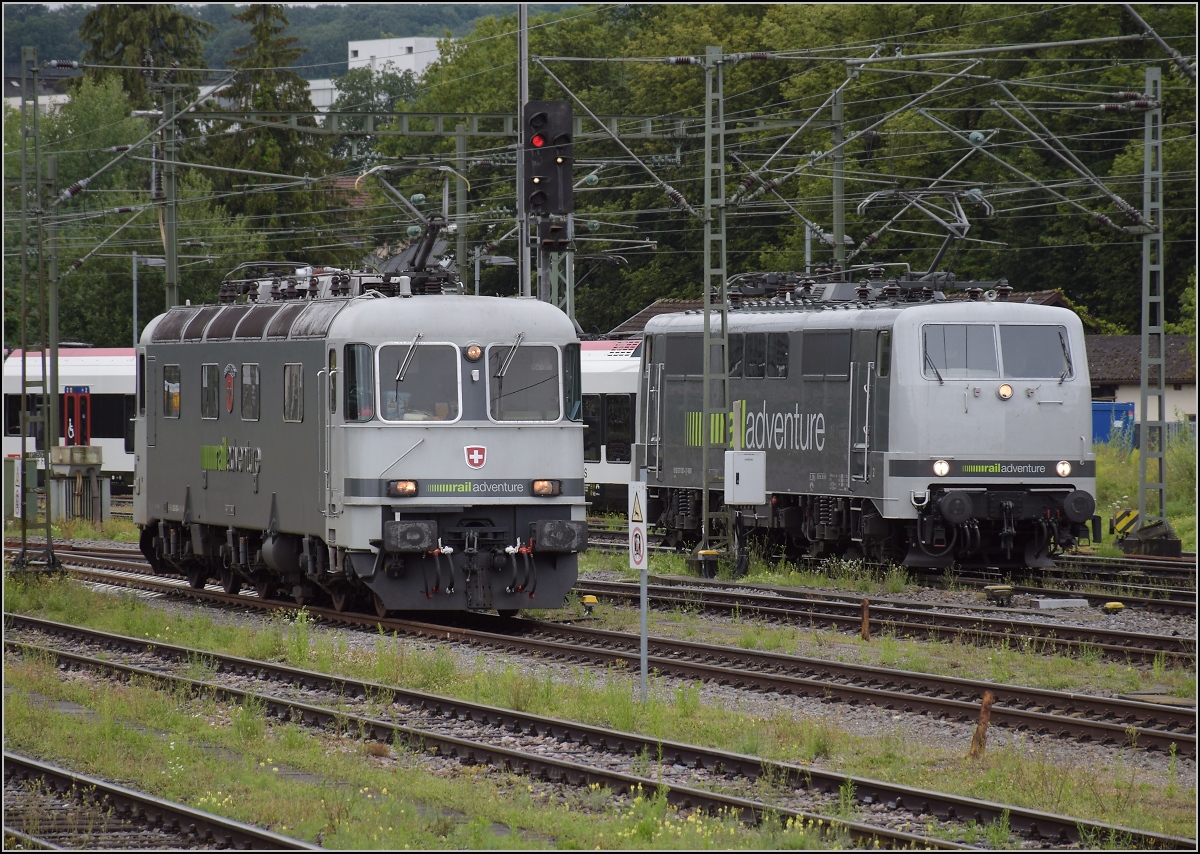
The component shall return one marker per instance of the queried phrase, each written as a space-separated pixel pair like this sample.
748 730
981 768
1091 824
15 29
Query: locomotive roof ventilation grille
171 327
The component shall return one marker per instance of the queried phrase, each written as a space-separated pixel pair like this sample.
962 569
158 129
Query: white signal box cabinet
745 477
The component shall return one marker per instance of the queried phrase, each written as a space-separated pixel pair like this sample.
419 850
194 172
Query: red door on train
77 415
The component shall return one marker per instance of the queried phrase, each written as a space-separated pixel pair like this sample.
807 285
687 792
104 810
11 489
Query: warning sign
637 526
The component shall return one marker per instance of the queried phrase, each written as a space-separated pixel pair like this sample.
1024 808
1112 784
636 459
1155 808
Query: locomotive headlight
474 351
401 488
941 468
1005 391
547 487
1063 468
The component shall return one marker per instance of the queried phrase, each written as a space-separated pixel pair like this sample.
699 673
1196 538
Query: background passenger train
95 405
610 378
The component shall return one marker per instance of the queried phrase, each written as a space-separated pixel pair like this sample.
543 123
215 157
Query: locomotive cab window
960 351
418 381
293 392
883 354
737 351
250 396
1036 352
141 383
210 387
360 384
573 382
523 382
171 391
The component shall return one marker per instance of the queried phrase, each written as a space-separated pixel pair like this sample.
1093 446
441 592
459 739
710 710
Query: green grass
236 762
1122 795
1117 482
117 528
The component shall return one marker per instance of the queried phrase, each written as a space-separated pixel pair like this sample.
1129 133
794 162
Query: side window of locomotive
1036 352
591 428
293 392
171 391
572 382
737 353
960 351
360 384
883 354
417 382
825 355
618 427
333 380
523 383
777 354
756 355
685 355
141 383
250 396
210 387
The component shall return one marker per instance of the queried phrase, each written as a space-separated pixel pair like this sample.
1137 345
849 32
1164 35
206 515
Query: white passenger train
96 404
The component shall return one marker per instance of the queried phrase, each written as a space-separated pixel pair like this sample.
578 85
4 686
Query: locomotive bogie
414 454
921 432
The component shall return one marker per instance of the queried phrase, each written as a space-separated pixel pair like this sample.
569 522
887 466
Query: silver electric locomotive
897 424
329 434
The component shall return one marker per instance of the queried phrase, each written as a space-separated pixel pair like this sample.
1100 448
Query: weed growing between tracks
236 762
1014 774
120 530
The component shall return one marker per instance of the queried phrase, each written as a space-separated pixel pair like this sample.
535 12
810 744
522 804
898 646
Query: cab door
863 379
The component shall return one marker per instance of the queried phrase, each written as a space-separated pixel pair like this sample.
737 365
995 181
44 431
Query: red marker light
537 141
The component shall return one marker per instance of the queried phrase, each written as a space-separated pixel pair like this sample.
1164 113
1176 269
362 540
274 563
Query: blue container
1112 420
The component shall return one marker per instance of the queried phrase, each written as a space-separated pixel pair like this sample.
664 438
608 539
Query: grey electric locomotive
897 424
331 436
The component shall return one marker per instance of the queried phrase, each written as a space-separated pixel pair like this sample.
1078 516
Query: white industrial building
402 54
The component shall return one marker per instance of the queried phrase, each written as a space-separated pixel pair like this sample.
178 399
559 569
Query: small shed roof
1118 359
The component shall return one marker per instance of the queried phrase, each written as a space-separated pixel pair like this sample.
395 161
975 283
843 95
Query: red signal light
537 141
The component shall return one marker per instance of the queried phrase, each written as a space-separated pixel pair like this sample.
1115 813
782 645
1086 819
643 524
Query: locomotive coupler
1007 532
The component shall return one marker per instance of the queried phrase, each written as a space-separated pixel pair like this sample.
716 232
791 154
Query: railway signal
549 156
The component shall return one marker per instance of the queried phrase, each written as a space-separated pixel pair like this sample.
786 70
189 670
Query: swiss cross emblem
230 373
476 456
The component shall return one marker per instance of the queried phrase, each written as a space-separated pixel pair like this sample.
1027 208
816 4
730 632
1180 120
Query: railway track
52 808
1103 720
704 777
909 620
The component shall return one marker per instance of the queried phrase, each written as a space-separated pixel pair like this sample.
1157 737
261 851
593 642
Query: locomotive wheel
381 610
342 597
231 582
507 612
197 578
303 597
264 587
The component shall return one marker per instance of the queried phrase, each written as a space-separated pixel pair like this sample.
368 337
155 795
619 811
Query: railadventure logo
493 487
761 429
1004 468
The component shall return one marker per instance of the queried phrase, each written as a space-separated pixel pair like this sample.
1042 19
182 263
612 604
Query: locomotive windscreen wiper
412 349
1062 339
929 361
508 359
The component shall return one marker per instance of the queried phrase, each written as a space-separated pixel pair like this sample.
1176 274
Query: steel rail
1111 721
904 621
472 752
222 832
1031 823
